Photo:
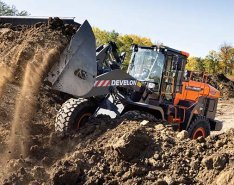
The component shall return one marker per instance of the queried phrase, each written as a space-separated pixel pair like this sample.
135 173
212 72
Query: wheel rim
83 119
199 132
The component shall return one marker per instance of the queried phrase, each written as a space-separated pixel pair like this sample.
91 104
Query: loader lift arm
108 58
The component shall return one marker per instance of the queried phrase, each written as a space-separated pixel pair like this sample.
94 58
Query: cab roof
163 48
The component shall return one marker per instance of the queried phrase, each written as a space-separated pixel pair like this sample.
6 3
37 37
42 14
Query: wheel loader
155 82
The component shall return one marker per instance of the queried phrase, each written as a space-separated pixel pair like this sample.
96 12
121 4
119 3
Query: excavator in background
156 82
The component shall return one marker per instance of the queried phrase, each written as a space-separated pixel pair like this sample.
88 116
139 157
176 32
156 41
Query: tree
226 55
7 10
126 41
214 62
211 62
123 42
103 37
200 64
191 64
195 64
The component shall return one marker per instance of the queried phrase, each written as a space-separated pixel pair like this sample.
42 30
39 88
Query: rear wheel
200 127
73 114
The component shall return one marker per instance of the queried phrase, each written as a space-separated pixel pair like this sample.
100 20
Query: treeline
221 61
7 10
123 42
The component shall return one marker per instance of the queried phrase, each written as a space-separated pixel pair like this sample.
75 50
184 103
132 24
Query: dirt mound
127 152
132 153
133 149
223 84
27 53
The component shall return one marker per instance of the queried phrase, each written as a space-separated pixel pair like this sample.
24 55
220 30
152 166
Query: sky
195 26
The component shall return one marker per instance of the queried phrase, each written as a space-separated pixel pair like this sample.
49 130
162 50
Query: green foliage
6 10
195 64
212 62
191 64
226 56
123 42
221 61
126 42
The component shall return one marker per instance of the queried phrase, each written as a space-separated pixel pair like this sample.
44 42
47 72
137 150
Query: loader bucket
76 70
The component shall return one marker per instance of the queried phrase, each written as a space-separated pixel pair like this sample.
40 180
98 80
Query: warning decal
106 83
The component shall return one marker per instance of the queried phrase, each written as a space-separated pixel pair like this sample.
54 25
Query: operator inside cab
147 66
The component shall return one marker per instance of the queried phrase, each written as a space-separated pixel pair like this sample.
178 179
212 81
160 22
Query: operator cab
147 66
161 71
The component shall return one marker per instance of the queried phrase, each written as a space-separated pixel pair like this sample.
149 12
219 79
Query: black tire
72 114
200 126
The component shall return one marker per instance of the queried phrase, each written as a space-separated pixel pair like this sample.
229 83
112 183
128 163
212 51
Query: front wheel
200 127
73 114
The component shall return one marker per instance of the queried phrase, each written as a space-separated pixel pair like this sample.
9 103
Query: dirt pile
128 152
27 52
39 131
223 84
132 153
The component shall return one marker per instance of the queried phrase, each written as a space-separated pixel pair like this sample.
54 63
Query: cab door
173 77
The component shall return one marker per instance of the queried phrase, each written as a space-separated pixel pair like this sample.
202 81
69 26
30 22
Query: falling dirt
26 56
5 75
26 101
104 151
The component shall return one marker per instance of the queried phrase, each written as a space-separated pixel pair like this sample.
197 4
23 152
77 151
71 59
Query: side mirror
122 56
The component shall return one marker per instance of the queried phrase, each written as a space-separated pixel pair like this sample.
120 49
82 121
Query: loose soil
231 78
126 150
223 84
225 113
